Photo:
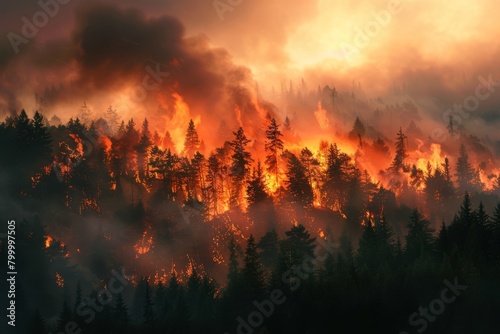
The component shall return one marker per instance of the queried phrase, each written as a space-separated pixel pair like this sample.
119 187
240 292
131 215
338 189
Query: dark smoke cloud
112 50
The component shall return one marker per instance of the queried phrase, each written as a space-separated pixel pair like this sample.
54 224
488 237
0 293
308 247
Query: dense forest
122 230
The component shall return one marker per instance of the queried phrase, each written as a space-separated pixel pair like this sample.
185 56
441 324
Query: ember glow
48 241
205 151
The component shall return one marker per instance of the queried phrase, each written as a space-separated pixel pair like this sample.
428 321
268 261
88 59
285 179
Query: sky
432 51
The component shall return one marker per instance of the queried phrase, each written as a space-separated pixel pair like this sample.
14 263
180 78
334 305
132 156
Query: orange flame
143 246
48 241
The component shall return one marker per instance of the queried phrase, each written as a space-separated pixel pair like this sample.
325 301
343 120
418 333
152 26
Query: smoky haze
100 52
136 64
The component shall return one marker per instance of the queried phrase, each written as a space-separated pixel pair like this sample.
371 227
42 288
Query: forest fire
144 245
291 188
107 144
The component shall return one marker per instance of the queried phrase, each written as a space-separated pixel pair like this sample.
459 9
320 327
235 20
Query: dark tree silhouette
297 183
240 165
419 242
253 273
192 142
467 177
398 164
358 131
274 147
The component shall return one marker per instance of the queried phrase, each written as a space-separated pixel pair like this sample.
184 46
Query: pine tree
464 171
337 178
120 132
64 317
447 188
358 131
155 140
354 200
142 150
84 114
233 274
164 164
274 147
167 142
253 273
159 302
213 184
384 236
443 239
174 288
461 224
191 142
256 189
193 286
121 312
465 214
78 298
399 254
130 137
367 251
419 240
113 120
298 245
495 230
199 166
398 164
451 126
41 145
149 316
478 238
310 163
297 183
240 165
269 248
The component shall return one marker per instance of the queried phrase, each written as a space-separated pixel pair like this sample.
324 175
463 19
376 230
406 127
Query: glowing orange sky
435 47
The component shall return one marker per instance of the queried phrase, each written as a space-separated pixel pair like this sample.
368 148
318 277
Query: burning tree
192 142
398 164
142 149
467 176
274 147
240 166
